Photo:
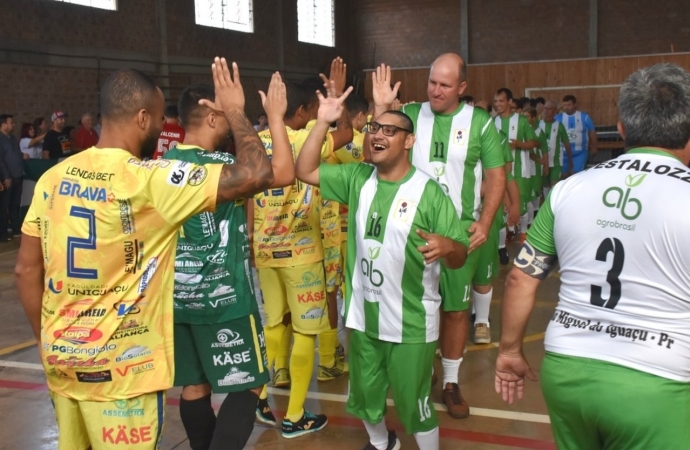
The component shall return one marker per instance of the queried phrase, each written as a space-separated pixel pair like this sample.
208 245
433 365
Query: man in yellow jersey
288 253
95 267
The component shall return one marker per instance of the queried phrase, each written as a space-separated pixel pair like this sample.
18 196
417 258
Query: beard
148 147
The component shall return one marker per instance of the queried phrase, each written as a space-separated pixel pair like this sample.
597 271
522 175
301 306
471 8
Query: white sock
523 223
530 214
546 191
451 367
502 238
378 434
427 440
482 304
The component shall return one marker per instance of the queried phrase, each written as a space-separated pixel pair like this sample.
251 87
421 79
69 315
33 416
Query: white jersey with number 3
621 231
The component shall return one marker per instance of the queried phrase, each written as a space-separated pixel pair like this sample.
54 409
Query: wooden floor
27 420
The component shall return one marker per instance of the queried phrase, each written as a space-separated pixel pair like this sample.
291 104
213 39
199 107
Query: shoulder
412 108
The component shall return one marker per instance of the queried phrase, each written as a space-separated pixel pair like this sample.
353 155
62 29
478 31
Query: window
315 22
235 15
103 4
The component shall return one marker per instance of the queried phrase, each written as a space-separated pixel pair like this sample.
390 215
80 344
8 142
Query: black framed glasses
387 130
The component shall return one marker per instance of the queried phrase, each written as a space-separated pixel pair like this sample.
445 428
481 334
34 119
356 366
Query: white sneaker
482 334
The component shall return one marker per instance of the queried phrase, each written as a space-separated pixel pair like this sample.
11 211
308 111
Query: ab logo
630 207
440 171
367 266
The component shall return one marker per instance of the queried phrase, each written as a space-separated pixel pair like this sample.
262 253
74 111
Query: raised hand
228 90
331 107
384 95
275 102
338 75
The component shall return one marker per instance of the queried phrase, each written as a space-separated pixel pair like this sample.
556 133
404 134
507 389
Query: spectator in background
14 166
57 144
97 127
172 133
40 125
581 133
540 102
86 136
261 122
467 99
30 143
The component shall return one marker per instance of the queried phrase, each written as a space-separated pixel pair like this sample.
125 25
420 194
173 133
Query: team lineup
138 262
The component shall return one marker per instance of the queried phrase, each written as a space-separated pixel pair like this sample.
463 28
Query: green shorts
376 365
537 185
230 356
595 404
456 284
525 187
487 263
555 173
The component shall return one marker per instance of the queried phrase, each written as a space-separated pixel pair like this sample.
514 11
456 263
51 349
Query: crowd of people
402 211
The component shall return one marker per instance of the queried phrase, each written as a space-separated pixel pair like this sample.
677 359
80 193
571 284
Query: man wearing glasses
454 142
405 229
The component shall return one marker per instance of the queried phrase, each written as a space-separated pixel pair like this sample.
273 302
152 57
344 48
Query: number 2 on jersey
74 243
609 245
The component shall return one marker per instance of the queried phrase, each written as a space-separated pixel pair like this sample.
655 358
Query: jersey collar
652 151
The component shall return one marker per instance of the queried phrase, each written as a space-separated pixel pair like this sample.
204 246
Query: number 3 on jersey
609 245
74 243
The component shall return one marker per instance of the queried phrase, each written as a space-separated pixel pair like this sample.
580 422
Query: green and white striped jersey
392 295
516 127
453 149
555 135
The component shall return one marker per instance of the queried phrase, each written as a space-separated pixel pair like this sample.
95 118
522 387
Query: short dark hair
569 98
314 84
531 111
467 99
533 102
125 92
25 129
171 112
188 107
540 100
506 91
654 107
67 130
298 95
4 117
356 104
407 122
38 121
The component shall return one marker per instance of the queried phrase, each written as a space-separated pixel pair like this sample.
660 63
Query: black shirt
57 144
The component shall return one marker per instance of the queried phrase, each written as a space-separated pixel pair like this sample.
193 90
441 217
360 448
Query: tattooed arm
252 172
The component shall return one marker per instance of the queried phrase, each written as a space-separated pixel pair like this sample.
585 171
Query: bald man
455 141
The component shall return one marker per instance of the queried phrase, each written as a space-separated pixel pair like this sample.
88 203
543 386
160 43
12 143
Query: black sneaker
503 256
264 413
309 423
393 442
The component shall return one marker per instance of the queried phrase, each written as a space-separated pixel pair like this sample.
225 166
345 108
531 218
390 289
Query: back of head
190 112
126 92
298 95
531 111
356 104
654 107
171 112
314 84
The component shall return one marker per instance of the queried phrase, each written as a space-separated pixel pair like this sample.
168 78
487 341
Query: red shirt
85 138
169 138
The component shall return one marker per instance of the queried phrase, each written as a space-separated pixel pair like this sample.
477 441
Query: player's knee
196 391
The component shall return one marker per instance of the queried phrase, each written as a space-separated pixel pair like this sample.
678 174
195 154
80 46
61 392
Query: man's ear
409 141
143 119
621 129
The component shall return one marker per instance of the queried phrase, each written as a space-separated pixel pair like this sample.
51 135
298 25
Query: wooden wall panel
600 103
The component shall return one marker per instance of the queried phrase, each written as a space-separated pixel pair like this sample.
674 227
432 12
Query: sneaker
503 256
281 378
340 368
482 334
309 423
456 405
264 413
5 238
393 442
340 353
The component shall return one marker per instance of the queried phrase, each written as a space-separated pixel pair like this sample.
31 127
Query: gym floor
28 422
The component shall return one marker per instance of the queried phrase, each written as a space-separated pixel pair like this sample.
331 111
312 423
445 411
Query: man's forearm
29 281
493 193
513 192
307 166
518 301
456 258
282 160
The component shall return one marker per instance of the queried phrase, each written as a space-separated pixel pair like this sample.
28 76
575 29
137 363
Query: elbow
458 258
267 178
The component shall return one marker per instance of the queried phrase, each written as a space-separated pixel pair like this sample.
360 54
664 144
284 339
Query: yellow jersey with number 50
108 225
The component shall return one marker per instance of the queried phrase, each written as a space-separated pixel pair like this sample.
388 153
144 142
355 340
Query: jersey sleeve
444 218
32 222
178 189
588 122
334 180
507 155
541 233
562 133
528 133
491 154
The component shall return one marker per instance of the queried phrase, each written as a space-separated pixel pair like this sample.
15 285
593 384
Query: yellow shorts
331 265
135 423
299 290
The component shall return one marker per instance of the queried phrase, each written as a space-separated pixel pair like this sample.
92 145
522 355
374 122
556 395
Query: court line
9 251
340 398
16 347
